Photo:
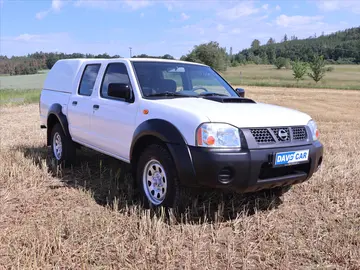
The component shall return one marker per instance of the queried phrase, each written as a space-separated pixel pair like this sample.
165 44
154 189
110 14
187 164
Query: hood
239 114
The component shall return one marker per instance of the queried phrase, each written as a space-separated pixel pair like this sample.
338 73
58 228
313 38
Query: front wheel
157 178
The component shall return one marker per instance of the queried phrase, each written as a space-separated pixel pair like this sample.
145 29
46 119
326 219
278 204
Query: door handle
96 107
74 103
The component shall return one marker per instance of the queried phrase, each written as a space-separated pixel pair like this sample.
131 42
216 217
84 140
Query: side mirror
119 90
240 92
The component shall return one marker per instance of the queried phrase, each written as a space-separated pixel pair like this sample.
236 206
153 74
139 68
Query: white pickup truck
178 124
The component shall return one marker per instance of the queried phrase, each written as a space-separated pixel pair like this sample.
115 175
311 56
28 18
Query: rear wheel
62 147
157 179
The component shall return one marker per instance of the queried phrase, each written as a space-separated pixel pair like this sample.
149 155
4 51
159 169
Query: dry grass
83 218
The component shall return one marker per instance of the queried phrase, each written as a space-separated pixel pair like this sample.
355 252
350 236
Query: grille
271 135
299 133
282 139
262 135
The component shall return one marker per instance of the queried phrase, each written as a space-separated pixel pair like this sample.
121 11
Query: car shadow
111 184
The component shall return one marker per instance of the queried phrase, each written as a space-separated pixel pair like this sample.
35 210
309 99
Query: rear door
113 119
80 105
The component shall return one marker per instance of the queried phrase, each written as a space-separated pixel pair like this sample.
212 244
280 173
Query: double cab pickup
178 124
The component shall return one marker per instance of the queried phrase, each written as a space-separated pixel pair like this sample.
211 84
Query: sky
162 27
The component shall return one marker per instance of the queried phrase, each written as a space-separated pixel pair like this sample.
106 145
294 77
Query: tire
157 179
63 149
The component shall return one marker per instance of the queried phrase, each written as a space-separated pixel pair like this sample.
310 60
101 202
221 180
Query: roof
82 60
161 60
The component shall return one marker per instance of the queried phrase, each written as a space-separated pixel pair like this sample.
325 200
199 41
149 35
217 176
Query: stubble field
85 218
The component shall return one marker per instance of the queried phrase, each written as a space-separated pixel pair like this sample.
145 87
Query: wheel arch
55 115
165 133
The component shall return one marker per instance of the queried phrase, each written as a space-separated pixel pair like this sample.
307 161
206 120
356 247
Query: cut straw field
85 217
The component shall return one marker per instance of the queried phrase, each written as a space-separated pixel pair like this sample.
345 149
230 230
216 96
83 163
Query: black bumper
246 170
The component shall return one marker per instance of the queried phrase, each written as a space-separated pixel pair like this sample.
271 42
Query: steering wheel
200 88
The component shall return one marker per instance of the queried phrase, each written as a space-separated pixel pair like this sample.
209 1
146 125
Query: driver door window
114 73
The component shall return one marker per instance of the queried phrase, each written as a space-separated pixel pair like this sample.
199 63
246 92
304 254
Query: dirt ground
84 217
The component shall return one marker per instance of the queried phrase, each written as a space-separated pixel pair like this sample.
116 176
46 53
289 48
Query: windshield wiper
168 94
207 94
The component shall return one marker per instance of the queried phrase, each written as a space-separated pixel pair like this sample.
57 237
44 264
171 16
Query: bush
256 59
329 69
280 62
234 63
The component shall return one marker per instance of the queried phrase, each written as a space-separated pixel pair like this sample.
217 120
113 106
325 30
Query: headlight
217 135
314 130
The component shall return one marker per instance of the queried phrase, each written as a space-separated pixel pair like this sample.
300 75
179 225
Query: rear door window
88 79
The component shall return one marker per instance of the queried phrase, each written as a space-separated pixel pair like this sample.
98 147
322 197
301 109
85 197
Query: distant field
23 81
342 77
19 96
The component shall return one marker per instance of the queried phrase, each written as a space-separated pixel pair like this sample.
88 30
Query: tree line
32 63
342 47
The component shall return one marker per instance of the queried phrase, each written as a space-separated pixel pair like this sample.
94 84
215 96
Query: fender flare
161 129
175 142
56 110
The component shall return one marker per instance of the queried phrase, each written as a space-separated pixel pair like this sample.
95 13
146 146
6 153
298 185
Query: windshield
180 80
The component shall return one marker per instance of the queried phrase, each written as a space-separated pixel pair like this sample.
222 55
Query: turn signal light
317 134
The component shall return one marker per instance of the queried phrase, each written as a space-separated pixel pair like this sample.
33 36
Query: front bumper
251 170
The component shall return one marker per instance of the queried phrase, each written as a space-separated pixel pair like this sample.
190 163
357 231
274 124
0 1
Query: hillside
342 47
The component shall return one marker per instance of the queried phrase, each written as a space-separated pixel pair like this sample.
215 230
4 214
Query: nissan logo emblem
283 134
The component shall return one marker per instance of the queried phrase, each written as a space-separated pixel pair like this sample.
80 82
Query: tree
167 56
255 44
317 67
51 60
210 54
357 58
240 58
264 58
271 54
280 62
299 70
270 41
285 38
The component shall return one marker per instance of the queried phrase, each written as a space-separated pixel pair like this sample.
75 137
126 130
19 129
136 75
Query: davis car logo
291 157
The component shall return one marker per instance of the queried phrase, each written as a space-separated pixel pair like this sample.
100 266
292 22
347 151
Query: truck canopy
63 75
